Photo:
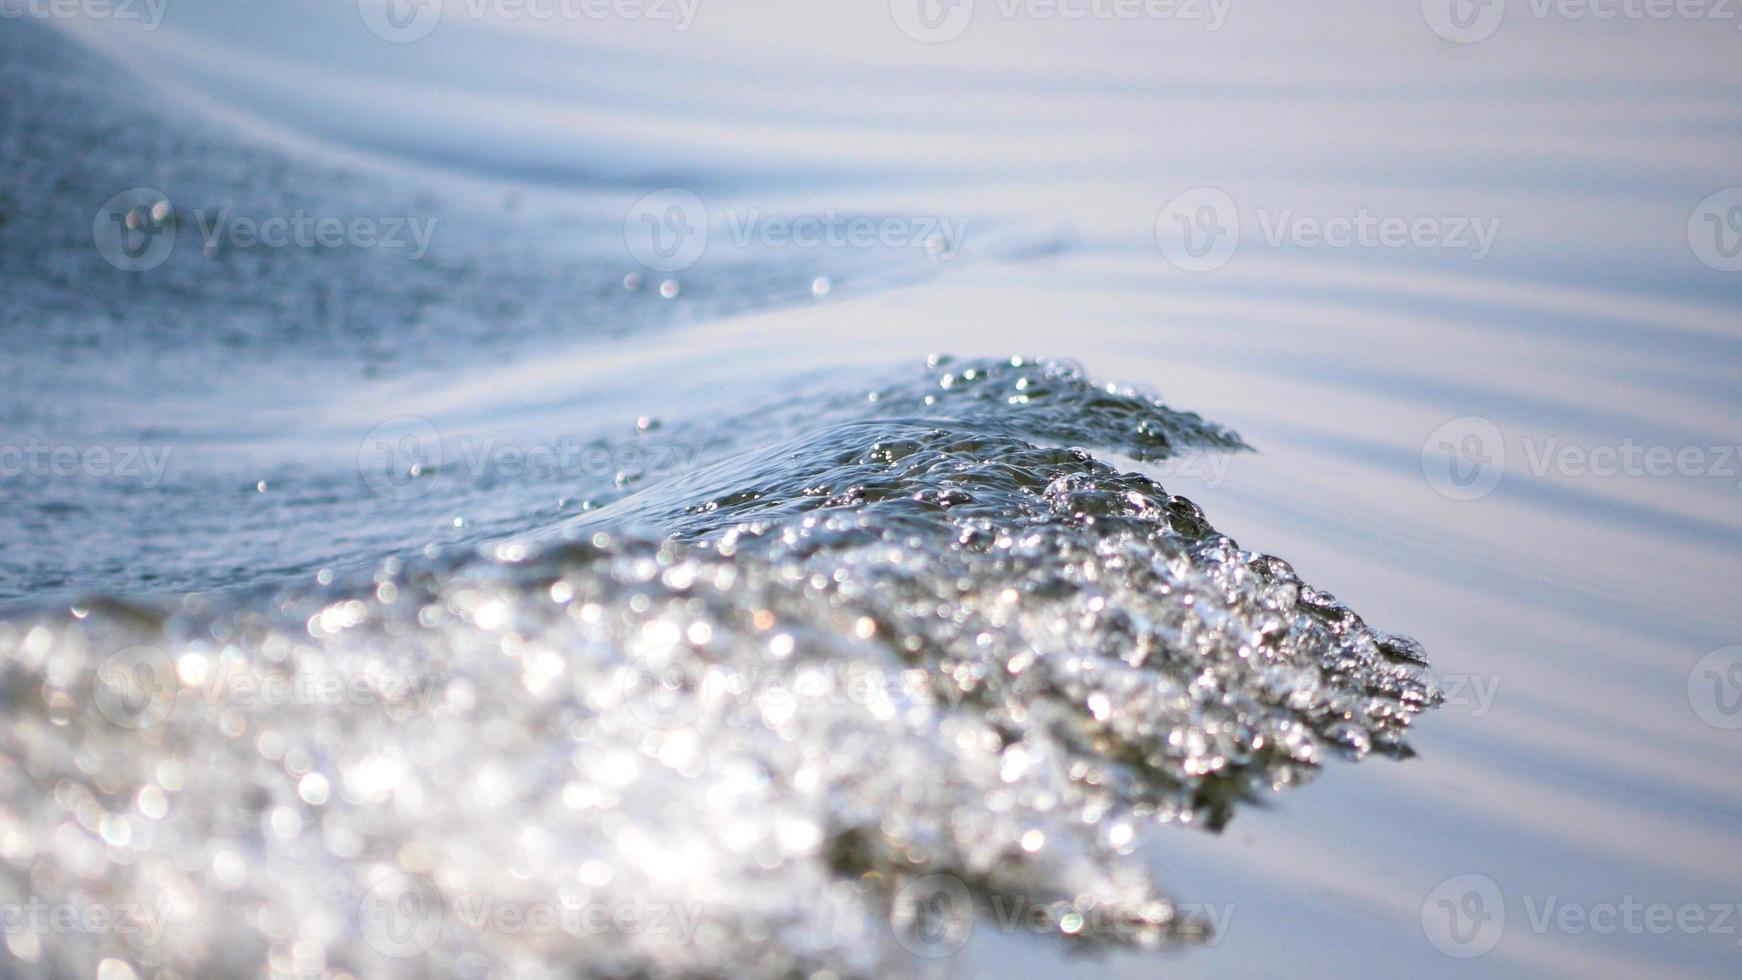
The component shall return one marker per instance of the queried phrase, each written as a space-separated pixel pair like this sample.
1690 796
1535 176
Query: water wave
813 706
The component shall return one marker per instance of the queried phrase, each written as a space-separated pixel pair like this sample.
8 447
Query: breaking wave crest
816 705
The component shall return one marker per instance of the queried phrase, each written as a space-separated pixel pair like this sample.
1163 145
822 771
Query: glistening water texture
519 601
886 659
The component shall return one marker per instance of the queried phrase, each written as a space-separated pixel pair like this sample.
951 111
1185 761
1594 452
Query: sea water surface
587 515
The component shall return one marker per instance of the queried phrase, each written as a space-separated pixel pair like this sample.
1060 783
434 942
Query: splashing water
819 705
